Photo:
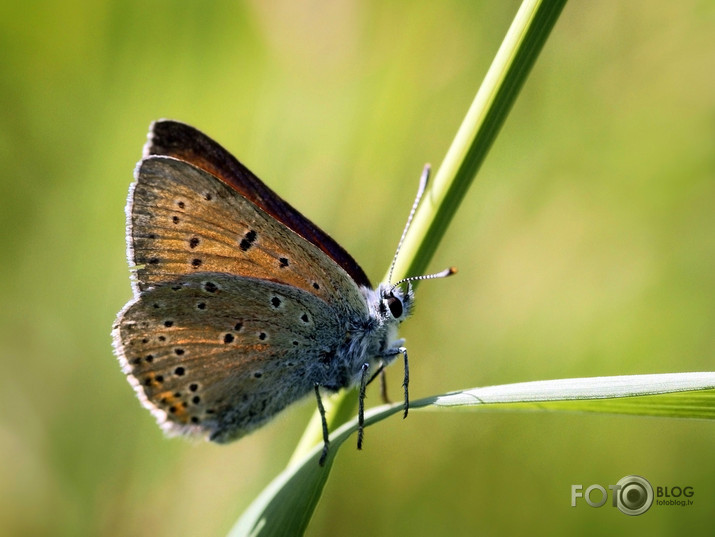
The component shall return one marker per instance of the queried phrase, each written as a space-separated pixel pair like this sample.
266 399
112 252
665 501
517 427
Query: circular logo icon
635 495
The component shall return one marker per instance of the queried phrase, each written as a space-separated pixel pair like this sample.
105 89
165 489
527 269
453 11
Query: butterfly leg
321 410
364 381
380 371
391 354
361 402
406 381
383 386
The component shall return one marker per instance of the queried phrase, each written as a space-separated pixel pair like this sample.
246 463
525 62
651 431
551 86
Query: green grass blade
669 395
287 503
285 506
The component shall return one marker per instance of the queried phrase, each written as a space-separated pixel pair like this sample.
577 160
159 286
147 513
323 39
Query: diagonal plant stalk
487 113
287 504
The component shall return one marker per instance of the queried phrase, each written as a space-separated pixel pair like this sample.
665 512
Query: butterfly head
395 302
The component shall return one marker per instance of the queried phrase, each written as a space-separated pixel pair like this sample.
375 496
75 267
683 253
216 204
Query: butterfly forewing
184 221
176 139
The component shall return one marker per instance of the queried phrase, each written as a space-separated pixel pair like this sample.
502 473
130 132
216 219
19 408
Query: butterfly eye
395 305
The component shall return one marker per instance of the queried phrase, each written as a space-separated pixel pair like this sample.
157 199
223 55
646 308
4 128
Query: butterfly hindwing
219 355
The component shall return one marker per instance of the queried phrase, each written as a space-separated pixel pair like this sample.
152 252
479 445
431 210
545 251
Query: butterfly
241 304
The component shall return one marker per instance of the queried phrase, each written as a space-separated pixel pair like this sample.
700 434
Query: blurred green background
585 247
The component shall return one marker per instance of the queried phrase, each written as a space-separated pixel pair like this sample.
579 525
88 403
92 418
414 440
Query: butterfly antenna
443 274
420 192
